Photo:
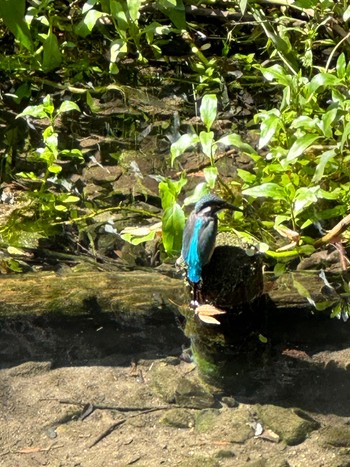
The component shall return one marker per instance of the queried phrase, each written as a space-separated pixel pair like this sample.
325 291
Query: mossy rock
178 418
292 425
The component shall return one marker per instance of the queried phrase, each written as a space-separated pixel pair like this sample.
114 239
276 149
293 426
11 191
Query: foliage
297 54
47 206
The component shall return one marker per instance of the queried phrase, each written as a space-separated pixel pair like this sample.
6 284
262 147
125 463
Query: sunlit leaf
303 292
175 11
52 56
246 176
206 139
200 190
208 110
35 111
300 145
173 223
321 79
324 159
134 9
67 106
304 197
267 190
345 136
12 13
236 141
211 174
184 142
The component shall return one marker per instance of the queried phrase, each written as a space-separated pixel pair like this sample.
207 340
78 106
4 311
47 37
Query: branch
335 232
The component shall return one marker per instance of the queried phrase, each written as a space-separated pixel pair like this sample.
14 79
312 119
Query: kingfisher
198 240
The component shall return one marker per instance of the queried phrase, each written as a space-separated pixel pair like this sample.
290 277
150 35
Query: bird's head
211 204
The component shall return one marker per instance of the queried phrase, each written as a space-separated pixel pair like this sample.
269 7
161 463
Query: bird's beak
232 207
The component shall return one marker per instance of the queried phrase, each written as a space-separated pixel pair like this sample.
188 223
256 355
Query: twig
121 422
335 232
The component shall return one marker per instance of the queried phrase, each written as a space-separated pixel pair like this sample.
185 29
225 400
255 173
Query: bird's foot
194 304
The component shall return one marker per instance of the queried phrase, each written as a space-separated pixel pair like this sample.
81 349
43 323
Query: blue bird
198 240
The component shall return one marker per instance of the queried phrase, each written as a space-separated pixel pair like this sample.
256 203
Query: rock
206 420
178 418
172 387
225 454
199 461
229 401
193 393
336 435
230 425
164 380
29 369
293 426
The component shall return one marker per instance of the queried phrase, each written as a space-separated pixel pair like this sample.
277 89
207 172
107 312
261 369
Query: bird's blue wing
198 244
206 239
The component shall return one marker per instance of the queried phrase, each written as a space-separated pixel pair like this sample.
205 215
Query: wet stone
293 426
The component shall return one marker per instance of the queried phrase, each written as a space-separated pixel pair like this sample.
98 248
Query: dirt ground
55 372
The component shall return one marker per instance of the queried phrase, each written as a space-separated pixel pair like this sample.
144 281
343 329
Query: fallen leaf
209 310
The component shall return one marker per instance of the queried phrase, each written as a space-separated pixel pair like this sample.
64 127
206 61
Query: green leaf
12 13
200 190
173 223
92 16
52 57
269 126
169 190
300 145
71 199
341 63
55 169
266 190
304 197
134 9
35 111
320 80
211 174
136 240
175 11
206 139
345 136
92 103
183 143
246 176
67 106
346 15
236 141
208 110
276 73
61 208
326 123
303 292
86 25
243 6
324 159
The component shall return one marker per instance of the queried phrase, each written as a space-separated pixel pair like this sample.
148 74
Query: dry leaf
208 319
209 310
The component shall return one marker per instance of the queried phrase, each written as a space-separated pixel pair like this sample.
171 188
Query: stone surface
178 418
293 426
